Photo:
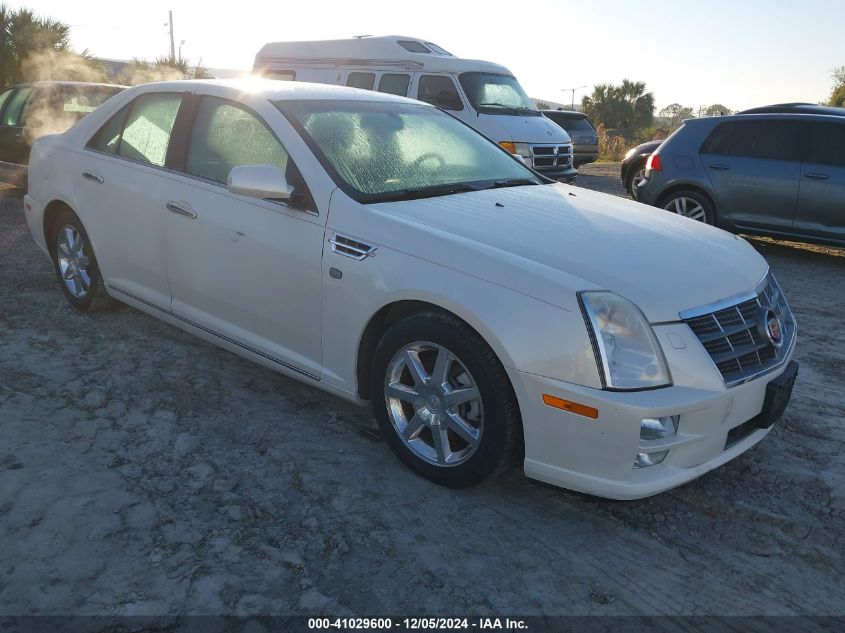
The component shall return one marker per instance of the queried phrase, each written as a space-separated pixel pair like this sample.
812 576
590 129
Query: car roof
375 53
796 108
279 90
82 84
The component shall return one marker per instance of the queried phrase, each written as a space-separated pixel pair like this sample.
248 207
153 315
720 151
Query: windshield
497 94
381 151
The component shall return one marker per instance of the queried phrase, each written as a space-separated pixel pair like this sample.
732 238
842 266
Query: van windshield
490 93
379 151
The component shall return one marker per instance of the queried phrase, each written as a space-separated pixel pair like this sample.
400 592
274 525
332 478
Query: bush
612 147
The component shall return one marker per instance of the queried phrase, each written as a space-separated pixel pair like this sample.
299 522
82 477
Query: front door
755 172
246 270
821 201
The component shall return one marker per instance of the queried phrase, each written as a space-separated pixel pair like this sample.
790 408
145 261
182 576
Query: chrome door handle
816 176
177 208
90 175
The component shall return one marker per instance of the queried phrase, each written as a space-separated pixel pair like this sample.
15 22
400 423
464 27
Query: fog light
644 460
658 428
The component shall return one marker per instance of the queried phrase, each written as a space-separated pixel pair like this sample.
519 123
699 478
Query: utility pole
573 93
172 43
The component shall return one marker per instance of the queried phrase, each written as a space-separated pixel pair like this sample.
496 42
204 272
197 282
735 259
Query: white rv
484 95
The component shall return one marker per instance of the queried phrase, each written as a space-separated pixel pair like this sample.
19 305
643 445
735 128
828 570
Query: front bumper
568 173
597 456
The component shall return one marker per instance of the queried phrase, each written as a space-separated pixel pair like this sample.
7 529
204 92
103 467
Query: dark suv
30 110
585 139
781 175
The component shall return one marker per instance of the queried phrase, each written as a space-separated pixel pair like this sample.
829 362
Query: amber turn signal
508 145
572 407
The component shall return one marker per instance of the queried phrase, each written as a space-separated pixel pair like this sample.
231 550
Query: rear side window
281 75
439 90
719 141
12 113
361 80
107 138
226 136
394 83
772 140
827 144
4 97
146 135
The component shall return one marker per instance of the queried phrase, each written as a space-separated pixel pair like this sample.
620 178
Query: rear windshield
572 124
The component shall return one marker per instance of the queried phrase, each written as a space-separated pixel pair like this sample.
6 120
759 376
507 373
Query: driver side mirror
266 182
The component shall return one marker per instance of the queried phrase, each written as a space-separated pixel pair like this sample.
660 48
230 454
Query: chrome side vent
343 245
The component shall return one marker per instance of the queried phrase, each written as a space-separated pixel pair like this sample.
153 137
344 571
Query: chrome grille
735 338
548 156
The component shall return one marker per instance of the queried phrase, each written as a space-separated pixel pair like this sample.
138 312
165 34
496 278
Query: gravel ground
143 471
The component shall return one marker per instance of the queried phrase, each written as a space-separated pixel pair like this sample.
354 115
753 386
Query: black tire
633 169
96 296
668 203
501 435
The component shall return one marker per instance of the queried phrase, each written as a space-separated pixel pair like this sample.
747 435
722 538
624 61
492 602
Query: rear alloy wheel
443 401
689 204
75 264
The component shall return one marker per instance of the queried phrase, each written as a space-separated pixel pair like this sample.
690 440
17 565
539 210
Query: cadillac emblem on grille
773 330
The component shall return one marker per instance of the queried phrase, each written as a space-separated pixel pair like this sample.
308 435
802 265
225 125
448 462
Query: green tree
717 109
622 109
675 114
837 96
542 105
22 33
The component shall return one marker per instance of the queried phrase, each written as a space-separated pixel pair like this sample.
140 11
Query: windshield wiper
426 192
498 106
513 182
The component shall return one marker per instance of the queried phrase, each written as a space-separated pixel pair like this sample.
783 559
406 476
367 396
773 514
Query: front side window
439 90
146 135
394 83
226 136
491 93
380 151
12 113
827 144
772 140
361 80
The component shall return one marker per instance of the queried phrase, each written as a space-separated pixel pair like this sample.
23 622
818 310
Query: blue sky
740 53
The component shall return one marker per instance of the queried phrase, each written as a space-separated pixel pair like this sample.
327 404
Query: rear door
821 200
754 166
119 187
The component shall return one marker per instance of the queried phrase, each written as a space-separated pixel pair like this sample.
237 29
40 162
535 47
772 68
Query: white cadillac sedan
379 249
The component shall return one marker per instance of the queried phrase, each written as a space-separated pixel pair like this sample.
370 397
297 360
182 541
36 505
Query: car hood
526 129
662 262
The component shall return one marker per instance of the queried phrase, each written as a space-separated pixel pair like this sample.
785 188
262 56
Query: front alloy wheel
73 261
443 401
434 404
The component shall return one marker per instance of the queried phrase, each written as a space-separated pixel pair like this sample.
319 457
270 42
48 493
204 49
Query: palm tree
141 71
23 33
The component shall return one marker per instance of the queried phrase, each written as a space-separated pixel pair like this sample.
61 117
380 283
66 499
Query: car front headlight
629 355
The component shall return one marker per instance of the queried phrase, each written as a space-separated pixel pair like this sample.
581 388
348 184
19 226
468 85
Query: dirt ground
143 471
